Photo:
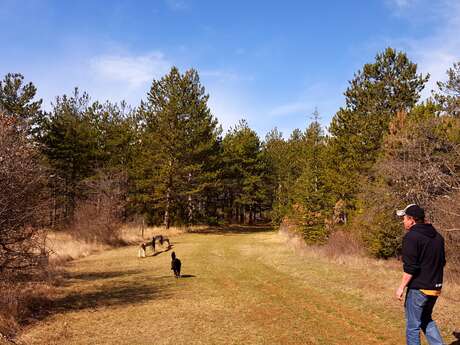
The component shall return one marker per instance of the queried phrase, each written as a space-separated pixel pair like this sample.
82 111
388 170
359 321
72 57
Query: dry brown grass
349 254
20 303
341 248
64 247
373 270
240 288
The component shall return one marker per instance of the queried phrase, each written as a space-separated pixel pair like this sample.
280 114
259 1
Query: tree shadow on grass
233 229
126 293
90 276
108 294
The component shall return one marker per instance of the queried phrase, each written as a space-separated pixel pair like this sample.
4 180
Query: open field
239 287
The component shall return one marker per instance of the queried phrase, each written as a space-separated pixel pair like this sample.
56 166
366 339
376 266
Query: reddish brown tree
23 201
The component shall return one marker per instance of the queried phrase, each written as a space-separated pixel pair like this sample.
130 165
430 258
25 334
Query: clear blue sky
271 62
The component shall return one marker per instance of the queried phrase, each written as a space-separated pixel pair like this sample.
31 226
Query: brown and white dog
143 248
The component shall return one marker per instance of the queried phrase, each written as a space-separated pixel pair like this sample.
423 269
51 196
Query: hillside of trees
91 165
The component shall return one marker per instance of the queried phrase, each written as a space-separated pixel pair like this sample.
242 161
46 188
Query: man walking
423 263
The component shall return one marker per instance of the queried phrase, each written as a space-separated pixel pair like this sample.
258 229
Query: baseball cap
412 210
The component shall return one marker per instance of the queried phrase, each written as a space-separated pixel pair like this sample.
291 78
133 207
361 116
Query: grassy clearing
239 288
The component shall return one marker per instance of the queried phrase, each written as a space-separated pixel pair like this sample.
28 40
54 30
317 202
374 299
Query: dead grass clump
343 243
94 224
65 247
293 238
20 303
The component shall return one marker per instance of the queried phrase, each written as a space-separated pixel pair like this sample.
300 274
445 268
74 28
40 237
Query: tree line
168 162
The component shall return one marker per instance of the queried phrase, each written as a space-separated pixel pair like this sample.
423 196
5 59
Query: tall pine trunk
167 218
167 208
251 216
242 214
190 201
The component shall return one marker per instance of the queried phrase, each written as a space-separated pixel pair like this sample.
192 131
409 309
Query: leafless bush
23 203
23 208
424 167
98 217
339 244
446 217
421 160
343 243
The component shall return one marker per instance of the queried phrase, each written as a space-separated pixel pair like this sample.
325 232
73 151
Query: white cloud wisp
133 70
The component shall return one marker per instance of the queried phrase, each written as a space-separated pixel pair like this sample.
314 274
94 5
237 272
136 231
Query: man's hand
400 293
405 280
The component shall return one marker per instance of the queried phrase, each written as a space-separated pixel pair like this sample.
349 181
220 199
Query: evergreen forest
167 161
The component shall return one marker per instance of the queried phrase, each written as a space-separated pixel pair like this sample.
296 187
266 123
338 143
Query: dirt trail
237 289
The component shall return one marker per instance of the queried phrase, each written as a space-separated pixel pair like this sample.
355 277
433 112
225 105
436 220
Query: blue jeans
418 317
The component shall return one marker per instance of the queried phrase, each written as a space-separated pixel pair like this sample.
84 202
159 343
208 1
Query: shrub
446 218
375 222
419 164
98 217
23 202
343 243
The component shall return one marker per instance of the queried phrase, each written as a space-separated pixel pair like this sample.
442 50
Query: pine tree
279 174
375 95
17 99
114 128
311 199
180 142
448 96
245 179
69 142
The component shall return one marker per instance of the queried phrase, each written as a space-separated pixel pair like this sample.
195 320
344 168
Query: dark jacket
424 257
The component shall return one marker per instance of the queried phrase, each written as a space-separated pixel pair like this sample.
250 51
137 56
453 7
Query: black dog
175 265
153 243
